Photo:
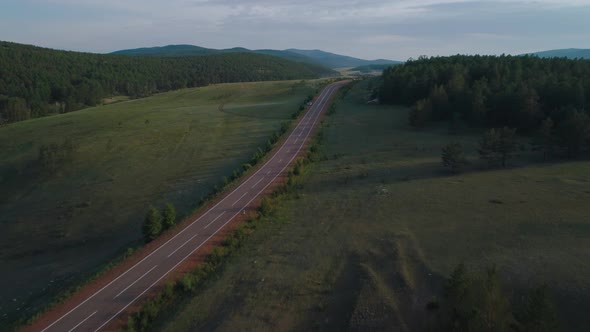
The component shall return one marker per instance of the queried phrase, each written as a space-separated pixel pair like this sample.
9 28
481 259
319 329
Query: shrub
266 207
452 156
152 225
169 216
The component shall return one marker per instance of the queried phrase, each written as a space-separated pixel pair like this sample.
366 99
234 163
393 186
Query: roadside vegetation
76 179
377 234
176 293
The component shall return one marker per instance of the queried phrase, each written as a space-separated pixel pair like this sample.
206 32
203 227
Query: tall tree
538 313
575 132
495 314
546 137
421 113
497 145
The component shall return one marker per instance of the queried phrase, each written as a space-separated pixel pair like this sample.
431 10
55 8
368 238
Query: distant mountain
317 57
333 60
191 50
570 53
170 50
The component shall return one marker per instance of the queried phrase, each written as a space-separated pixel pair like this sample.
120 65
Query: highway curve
96 311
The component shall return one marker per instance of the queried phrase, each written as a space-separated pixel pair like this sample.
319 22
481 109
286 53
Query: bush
452 157
169 215
152 225
266 207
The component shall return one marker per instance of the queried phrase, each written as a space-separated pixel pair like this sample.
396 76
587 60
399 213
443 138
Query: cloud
371 28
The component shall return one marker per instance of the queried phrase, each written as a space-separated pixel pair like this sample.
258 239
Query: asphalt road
95 312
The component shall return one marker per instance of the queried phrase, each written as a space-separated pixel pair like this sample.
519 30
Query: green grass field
378 226
60 226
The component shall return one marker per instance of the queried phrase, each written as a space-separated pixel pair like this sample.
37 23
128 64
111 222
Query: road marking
267 173
187 241
280 160
219 216
257 182
311 114
237 200
133 283
296 140
85 319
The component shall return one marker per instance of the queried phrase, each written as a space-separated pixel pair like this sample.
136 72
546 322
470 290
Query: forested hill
36 82
514 91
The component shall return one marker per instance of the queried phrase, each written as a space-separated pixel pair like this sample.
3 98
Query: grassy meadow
378 226
62 220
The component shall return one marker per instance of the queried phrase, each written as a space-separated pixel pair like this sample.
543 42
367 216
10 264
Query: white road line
296 140
219 216
187 241
267 173
237 200
85 319
280 160
133 283
257 183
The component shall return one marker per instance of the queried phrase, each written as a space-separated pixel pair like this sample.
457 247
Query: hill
323 58
570 53
62 220
169 50
333 60
36 81
191 50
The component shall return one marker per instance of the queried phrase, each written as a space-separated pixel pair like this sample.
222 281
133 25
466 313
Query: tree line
546 98
36 82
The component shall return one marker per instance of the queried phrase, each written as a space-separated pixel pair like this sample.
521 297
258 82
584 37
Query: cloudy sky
393 29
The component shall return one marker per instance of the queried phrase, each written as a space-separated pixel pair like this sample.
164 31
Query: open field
378 226
60 224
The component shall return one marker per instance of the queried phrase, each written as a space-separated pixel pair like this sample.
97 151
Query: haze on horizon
393 29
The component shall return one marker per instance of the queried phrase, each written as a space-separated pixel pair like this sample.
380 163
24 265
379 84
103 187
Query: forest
36 82
534 96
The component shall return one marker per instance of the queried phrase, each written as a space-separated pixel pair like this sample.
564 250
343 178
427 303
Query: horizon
287 49
376 29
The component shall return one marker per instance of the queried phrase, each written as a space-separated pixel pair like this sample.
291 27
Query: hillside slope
333 60
62 220
36 81
570 53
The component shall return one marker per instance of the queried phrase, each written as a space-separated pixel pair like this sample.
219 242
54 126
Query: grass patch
378 225
173 147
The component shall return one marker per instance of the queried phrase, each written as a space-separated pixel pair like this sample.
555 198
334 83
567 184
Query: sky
369 29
